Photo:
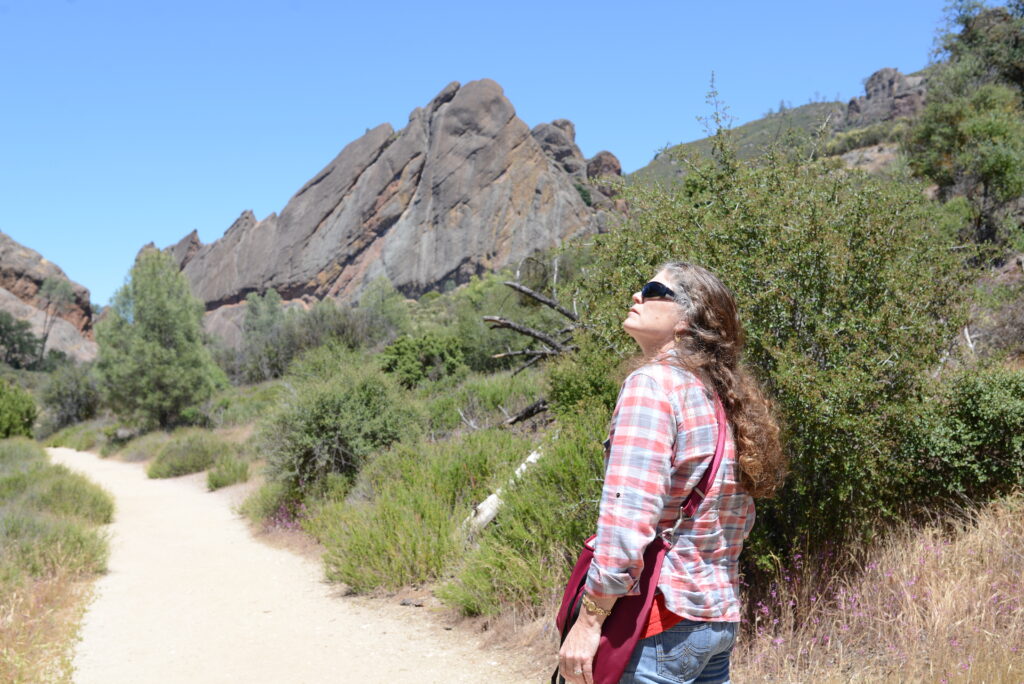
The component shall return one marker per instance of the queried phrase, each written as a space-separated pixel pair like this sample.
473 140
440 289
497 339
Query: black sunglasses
655 290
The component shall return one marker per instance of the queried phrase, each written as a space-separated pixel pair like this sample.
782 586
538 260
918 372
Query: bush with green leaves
228 469
332 422
892 130
83 436
407 528
479 400
274 333
429 356
523 557
245 404
19 347
189 450
851 291
965 443
49 517
969 139
17 411
145 447
71 395
152 361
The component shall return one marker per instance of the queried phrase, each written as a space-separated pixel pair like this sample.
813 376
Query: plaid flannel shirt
662 438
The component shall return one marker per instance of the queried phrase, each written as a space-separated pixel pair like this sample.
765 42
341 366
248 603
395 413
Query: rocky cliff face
22 272
888 94
464 188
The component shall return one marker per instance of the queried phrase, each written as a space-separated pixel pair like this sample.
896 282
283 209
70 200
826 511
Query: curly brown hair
711 348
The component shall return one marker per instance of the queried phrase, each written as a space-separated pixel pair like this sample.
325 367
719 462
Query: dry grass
39 623
943 604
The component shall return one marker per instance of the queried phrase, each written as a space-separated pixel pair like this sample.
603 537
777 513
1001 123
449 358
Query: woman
662 438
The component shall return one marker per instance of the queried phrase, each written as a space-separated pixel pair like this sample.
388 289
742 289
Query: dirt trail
192 596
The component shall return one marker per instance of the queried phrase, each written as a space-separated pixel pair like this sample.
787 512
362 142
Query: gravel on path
191 596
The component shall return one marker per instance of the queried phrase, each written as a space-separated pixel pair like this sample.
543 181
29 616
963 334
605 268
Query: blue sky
124 122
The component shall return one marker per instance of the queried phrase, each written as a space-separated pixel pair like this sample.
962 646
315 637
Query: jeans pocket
684 650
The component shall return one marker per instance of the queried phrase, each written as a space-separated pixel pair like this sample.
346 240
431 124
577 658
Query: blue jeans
689 652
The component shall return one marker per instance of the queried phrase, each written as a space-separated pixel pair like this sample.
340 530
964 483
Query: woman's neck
653 352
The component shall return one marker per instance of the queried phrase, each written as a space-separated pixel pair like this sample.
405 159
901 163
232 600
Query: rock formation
22 272
888 94
463 189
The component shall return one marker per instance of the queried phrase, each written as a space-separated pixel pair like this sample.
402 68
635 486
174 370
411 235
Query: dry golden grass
39 624
942 604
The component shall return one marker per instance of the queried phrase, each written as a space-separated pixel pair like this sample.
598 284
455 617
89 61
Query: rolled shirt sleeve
637 483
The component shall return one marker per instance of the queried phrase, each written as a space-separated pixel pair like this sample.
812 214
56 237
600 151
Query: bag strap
696 497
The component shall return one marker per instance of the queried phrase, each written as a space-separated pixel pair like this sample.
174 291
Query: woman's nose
638 298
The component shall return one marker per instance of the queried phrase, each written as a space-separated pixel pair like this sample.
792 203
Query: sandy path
192 597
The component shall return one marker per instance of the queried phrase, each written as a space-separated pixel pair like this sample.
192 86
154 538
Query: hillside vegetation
49 543
378 427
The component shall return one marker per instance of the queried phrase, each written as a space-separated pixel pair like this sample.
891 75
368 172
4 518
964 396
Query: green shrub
429 356
17 411
189 450
68 495
588 375
47 515
419 494
874 134
850 290
228 470
966 440
71 395
332 425
38 546
484 400
18 454
246 404
81 437
523 556
144 447
269 504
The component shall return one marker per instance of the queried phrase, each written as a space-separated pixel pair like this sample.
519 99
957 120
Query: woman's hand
576 657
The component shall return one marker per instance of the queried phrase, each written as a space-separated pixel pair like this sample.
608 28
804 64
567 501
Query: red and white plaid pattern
663 435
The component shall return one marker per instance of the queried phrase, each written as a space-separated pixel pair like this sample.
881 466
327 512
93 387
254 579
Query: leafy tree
152 362
18 346
970 138
17 411
71 395
57 296
262 357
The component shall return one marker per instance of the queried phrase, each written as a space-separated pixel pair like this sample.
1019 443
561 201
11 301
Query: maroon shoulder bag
624 627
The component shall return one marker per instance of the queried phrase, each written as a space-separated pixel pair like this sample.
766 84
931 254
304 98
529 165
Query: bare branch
470 424
526 365
547 301
533 409
499 322
526 352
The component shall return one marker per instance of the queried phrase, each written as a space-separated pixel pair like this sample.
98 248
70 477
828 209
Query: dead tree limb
499 322
526 352
533 409
486 510
470 424
526 365
547 301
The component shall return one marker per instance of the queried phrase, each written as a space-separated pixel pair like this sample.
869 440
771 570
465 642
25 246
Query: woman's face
654 322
